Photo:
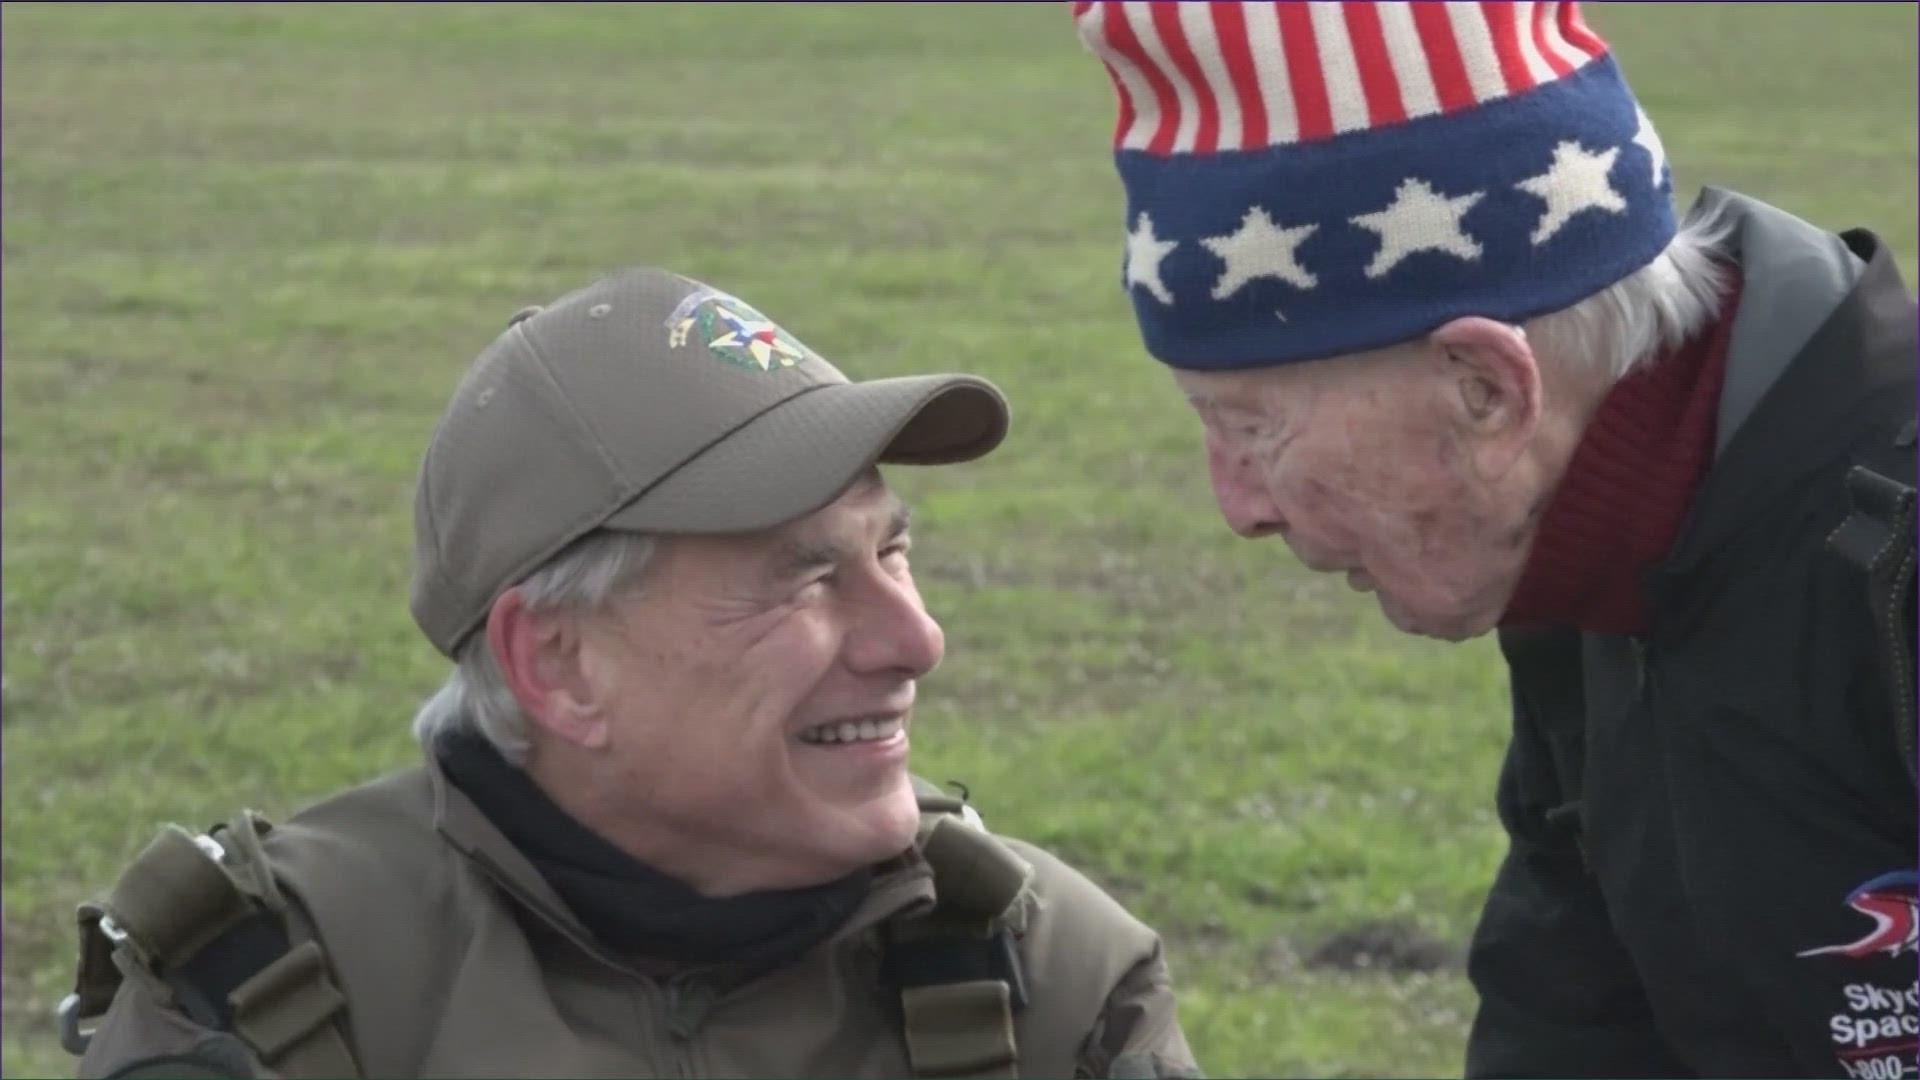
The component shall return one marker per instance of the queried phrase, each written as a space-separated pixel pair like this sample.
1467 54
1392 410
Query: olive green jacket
455 958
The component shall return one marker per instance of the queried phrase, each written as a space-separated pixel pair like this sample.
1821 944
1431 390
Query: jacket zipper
687 1001
1640 650
680 1026
1640 655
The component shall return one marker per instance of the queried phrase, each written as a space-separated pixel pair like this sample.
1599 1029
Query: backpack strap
1878 537
958 967
199 921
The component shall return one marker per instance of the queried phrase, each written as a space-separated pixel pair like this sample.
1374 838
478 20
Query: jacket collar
1795 275
1853 363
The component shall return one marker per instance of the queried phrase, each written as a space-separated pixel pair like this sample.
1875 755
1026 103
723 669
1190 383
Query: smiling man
665 824
1419 269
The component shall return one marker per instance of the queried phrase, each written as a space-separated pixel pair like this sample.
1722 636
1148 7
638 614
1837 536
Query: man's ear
541 657
1493 387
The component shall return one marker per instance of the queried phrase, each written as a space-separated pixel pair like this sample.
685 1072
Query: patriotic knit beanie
1306 180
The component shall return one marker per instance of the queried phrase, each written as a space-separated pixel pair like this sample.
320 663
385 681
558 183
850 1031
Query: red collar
1626 492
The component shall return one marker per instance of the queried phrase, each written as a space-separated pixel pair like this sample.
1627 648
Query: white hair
584 578
1656 308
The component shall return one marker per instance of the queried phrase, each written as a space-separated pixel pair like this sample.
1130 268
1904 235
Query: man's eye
1243 425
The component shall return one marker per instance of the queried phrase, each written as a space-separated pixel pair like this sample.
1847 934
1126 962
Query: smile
851 731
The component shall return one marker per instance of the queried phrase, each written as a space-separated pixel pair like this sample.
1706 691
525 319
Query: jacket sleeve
1558 995
1138 1036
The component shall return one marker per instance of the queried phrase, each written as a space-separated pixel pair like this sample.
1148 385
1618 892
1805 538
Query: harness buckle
112 932
72 1038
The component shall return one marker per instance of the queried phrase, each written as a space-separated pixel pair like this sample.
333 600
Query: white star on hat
1649 140
1577 181
1260 249
1144 254
1419 219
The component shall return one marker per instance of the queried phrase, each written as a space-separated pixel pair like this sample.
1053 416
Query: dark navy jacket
1712 829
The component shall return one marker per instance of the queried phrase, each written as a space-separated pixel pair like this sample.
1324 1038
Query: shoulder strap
958 967
1878 537
200 920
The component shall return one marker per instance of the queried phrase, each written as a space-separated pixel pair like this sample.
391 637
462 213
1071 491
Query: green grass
248 250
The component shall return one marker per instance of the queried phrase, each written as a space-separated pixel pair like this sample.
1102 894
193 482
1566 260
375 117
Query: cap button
524 314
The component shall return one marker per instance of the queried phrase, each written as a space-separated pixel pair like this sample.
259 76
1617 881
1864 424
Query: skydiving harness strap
957 968
1878 538
200 921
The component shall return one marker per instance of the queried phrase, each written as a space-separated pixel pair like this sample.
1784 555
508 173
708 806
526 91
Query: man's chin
885 827
885 809
1450 628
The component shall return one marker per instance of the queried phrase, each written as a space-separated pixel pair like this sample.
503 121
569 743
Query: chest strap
200 922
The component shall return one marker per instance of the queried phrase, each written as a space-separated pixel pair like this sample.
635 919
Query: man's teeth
852 731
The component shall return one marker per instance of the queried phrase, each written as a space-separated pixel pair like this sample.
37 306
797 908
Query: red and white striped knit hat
1306 180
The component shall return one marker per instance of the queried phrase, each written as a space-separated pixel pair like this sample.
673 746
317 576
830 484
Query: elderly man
1417 268
664 826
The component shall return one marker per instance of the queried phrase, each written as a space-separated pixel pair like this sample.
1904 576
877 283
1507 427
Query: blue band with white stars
1296 252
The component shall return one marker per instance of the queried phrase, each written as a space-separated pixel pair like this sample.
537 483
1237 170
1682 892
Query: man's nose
1241 492
893 634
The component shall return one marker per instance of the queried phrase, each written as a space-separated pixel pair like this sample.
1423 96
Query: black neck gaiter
632 909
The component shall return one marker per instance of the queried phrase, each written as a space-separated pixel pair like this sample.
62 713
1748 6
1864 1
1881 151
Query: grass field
248 250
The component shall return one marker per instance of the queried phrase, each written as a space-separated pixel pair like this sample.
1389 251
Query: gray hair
584 578
1656 308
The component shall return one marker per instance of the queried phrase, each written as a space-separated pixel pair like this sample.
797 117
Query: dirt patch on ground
1209 940
1394 948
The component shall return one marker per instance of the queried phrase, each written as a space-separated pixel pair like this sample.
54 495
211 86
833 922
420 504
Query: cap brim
801 454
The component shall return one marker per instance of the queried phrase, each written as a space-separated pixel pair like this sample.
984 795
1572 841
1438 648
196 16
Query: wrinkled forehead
1212 391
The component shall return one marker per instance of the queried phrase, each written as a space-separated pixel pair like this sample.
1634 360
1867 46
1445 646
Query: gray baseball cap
653 403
